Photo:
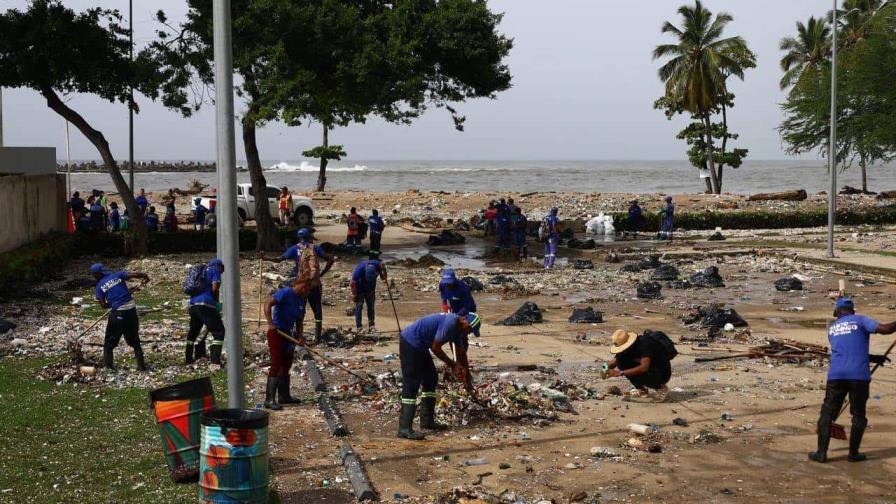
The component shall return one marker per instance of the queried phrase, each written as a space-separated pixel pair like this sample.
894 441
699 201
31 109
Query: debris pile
527 314
789 284
708 278
425 261
446 237
715 317
664 272
784 349
473 283
649 290
717 236
582 264
586 316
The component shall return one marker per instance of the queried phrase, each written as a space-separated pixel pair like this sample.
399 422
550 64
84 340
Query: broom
837 430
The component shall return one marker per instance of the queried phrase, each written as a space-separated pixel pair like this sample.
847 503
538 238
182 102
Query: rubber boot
283 392
405 422
108 359
318 331
215 355
270 393
138 356
200 352
855 441
188 354
824 439
428 415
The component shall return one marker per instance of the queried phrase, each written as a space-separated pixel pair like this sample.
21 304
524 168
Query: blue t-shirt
365 275
115 219
114 290
200 211
290 307
212 275
458 296
849 336
152 221
552 221
375 224
293 253
142 202
77 205
439 327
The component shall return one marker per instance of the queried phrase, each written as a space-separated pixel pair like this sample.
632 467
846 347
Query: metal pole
832 146
1 116
226 207
130 105
68 163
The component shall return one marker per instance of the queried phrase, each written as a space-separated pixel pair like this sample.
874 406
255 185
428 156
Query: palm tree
810 47
854 18
699 64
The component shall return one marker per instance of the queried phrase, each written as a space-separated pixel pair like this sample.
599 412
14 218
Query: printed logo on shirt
108 285
843 328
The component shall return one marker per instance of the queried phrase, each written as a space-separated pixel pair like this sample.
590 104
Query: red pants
282 353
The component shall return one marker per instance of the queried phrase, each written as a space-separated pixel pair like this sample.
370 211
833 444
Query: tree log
798 195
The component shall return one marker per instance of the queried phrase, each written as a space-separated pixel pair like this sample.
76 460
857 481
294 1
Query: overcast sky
583 88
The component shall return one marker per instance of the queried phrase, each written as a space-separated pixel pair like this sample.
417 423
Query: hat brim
633 337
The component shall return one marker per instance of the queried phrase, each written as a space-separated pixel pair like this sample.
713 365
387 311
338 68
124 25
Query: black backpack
194 284
663 341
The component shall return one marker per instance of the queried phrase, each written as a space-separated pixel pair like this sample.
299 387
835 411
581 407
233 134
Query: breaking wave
284 167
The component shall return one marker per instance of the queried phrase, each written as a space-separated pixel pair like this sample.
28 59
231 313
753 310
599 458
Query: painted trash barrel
177 409
234 456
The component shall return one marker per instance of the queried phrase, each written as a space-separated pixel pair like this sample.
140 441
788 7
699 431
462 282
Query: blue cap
448 274
215 262
555 210
304 233
97 268
669 199
845 303
475 323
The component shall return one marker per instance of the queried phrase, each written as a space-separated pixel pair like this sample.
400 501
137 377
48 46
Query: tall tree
188 54
55 51
392 59
811 46
698 66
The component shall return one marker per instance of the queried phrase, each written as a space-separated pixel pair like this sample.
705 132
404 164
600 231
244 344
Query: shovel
327 360
837 430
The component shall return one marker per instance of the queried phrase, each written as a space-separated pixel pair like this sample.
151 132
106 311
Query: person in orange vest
285 205
354 221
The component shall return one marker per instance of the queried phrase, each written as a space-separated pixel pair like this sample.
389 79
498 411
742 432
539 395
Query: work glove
878 359
219 307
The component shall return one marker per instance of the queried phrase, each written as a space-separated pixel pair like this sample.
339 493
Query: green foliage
810 47
328 152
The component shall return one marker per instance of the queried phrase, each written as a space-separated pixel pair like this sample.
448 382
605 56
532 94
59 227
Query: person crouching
284 312
643 360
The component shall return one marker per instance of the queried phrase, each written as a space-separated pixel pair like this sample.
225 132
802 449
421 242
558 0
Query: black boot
188 354
318 331
428 415
855 441
108 359
270 393
215 355
405 422
283 392
138 356
824 439
200 352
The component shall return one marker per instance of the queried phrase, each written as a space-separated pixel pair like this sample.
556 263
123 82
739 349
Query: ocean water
525 176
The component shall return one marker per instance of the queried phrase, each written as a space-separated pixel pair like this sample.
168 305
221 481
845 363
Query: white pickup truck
303 207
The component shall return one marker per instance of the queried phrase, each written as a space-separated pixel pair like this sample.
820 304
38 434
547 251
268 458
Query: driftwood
798 195
776 349
887 195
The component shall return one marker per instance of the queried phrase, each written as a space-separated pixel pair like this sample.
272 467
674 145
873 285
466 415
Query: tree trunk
724 142
322 175
266 228
864 176
708 185
713 176
136 236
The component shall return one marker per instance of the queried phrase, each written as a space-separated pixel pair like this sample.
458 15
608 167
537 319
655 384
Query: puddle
465 256
807 323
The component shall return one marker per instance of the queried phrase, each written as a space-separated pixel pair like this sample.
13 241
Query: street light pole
131 104
226 207
832 145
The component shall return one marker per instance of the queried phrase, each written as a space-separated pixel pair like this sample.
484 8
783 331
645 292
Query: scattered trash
649 290
681 422
527 314
503 465
649 262
474 284
390 357
426 261
446 237
643 429
708 278
583 264
789 284
706 437
475 462
729 327
586 316
6 326
602 452
635 443
664 272
614 390
726 417
679 284
717 236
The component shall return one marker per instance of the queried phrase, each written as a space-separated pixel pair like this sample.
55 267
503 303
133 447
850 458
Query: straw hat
622 340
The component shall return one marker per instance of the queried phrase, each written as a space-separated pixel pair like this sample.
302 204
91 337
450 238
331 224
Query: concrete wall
28 160
32 206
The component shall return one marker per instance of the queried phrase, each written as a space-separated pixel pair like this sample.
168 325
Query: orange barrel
177 409
233 466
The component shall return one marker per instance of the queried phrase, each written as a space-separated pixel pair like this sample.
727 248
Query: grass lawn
78 444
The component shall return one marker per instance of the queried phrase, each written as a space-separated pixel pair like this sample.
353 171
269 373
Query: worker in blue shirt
205 311
152 220
849 374
431 333
114 218
199 214
142 202
456 295
113 293
77 205
520 226
503 223
375 226
552 222
307 266
668 220
364 287
97 215
284 311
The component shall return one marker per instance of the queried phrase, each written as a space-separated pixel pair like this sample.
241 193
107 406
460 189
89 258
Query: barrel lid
199 387
236 418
